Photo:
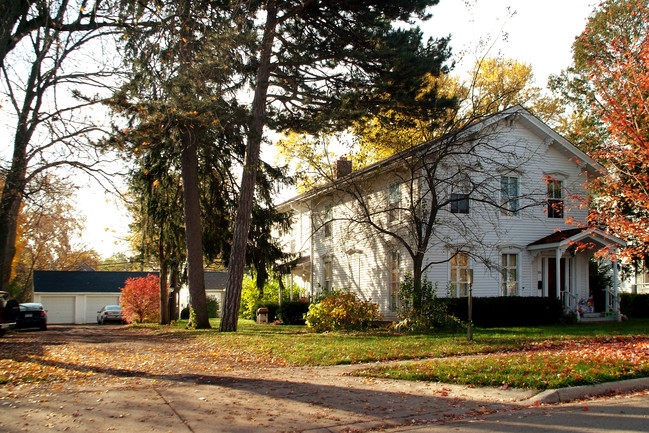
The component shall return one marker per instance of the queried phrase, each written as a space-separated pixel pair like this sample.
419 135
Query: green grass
295 345
530 357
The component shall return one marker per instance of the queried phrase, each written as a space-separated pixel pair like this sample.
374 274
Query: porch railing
570 302
612 302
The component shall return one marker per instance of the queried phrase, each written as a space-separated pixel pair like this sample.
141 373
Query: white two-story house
501 204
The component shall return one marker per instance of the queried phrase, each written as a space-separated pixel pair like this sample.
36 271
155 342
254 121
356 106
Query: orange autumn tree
609 86
140 299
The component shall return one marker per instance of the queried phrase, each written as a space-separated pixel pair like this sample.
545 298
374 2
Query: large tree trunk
164 290
247 192
193 231
12 197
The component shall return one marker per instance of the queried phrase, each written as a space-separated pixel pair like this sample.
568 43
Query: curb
562 395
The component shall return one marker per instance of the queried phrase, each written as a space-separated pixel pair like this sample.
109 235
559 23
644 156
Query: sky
540 33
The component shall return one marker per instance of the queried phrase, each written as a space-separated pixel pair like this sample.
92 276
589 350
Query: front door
552 275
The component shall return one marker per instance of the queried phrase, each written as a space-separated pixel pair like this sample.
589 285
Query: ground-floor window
509 266
327 283
459 283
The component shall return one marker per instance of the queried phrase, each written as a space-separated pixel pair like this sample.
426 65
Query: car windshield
30 307
113 308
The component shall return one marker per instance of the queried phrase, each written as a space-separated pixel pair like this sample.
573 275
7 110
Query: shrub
341 310
421 311
212 306
140 299
293 312
634 305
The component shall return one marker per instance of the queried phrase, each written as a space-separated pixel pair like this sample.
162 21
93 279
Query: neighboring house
77 296
215 284
506 202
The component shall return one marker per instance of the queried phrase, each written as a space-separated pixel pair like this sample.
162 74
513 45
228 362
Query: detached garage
76 296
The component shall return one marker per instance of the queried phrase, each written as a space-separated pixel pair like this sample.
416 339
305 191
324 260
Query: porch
563 259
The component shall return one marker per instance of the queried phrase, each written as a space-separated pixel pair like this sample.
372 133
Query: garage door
94 304
60 309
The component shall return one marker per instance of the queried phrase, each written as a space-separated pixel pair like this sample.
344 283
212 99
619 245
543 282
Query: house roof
563 238
216 280
82 281
520 112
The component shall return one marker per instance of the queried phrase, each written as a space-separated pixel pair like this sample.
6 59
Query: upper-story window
328 221
394 202
459 202
460 196
555 198
509 195
293 243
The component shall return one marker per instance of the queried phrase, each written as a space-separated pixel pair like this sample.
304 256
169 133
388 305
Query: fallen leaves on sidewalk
34 357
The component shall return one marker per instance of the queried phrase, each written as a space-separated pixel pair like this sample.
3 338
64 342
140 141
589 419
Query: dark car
110 313
31 315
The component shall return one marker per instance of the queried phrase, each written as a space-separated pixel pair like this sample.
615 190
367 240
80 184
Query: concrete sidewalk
319 399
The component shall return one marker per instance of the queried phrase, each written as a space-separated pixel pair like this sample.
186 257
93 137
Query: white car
110 313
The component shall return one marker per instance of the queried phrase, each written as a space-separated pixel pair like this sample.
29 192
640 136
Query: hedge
503 311
634 305
293 312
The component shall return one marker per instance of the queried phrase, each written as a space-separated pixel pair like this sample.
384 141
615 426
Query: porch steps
597 317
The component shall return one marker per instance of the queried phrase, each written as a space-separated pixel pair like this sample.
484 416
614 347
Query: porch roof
583 235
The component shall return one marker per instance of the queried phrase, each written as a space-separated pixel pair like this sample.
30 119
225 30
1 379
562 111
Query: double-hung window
555 198
509 266
460 275
328 222
509 195
460 196
394 202
327 283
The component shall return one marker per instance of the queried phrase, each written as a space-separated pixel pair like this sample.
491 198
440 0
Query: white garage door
94 304
60 309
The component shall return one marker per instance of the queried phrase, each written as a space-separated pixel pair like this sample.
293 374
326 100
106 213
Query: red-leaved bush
140 300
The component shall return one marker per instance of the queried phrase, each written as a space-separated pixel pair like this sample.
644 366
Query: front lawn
531 357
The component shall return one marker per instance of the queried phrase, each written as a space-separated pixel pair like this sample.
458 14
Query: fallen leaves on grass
542 365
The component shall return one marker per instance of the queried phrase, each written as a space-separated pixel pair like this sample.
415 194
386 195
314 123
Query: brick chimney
343 167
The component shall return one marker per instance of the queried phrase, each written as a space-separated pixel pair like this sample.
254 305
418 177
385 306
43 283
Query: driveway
113 378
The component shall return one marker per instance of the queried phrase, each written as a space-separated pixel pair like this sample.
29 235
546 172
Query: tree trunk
174 285
164 291
193 231
247 192
417 264
12 197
